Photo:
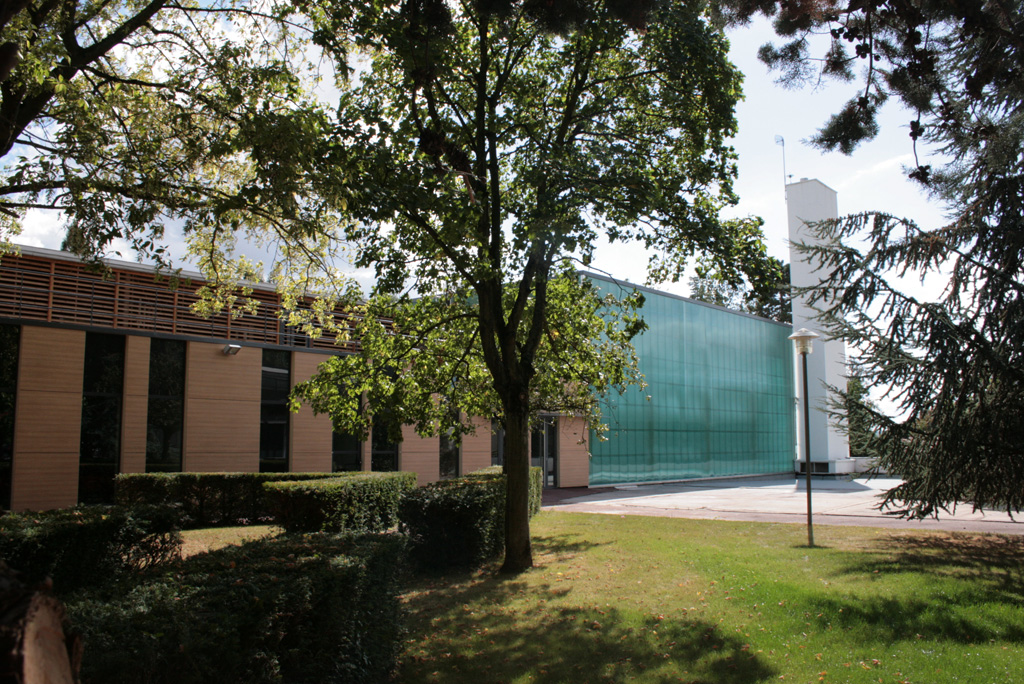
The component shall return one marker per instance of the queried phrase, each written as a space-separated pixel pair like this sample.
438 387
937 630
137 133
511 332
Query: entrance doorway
544 449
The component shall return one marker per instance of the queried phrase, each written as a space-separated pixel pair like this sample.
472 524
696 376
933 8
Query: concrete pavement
775 499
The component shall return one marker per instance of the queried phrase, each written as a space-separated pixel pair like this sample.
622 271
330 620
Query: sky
873 178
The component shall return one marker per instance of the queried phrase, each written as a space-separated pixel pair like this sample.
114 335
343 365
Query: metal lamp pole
803 339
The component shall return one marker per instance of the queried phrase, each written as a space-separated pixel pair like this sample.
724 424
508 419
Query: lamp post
803 340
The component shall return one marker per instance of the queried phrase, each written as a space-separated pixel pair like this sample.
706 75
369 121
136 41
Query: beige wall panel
222 409
47 430
310 435
44 481
215 375
573 457
476 448
304 365
46 422
136 403
310 447
222 462
419 455
222 435
51 360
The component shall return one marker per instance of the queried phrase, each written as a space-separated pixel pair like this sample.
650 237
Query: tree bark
35 644
518 552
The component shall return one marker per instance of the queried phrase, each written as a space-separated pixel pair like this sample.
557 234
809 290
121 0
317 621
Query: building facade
107 374
719 399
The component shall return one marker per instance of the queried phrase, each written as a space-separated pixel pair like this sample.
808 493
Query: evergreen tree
954 365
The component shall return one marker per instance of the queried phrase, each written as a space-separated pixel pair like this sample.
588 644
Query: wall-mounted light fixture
231 349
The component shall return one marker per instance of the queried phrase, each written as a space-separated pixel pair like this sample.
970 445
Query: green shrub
536 483
455 523
88 545
361 501
207 499
317 608
460 522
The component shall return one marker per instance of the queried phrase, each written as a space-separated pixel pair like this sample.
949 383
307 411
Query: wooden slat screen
65 291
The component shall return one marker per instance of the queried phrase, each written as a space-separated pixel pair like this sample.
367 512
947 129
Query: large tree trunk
35 645
518 554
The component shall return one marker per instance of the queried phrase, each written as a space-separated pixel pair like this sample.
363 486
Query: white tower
810 201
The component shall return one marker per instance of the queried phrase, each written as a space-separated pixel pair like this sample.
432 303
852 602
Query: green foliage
295 609
455 523
87 546
536 483
358 501
460 522
857 409
497 142
207 499
126 116
950 362
770 298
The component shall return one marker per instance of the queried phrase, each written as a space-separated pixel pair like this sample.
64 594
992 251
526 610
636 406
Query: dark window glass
165 417
544 449
449 459
9 337
277 358
345 453
274 414
346 449
276 385
497 444
383 451
102 391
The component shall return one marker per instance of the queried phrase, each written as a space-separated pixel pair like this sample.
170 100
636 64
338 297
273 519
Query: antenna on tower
779 140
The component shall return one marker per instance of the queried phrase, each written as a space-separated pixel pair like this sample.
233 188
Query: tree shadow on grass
891 619
993 563
485 627
970 588
562 546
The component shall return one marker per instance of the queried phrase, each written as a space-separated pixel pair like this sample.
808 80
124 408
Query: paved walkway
834 502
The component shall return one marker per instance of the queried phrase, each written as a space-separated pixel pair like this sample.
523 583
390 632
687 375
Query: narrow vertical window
448 464
544 449
346 449
497 444
383 450
450 451
346 454
274 415
165 416
102 392
9 338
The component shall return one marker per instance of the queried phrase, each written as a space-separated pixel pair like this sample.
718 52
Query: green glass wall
721 397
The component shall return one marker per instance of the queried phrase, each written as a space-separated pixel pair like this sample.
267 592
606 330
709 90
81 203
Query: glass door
544 449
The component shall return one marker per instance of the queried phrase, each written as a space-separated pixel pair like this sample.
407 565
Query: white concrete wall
810 201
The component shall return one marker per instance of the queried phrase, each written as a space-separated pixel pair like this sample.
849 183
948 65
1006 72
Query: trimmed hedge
360 501
455 523
536 483
88 546
207 499
460 522
317 608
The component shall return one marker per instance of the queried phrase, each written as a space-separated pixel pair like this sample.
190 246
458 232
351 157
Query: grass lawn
616 599
213 538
